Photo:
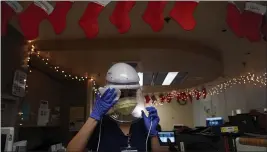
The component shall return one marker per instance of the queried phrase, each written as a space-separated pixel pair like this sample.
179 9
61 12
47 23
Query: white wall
245 97
173 113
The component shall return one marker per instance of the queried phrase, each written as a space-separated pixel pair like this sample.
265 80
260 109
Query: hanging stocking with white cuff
153 15
233 18
89 19
31 18
8 10
120 16
59 14
183 14
251 20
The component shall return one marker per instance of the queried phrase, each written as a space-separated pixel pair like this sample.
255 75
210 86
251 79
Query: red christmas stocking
58 16
88 21
8 9
31 18
264 29
182 13
153 15
120 16
233 18
251 20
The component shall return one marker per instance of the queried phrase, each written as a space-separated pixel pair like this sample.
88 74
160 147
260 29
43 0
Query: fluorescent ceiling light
169 78
140 74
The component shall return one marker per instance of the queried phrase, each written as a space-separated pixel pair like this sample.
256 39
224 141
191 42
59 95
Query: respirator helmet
125 80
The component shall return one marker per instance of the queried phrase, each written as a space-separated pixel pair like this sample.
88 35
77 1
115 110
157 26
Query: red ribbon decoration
154 99
204 92
162 98
197 94
147 97
169 97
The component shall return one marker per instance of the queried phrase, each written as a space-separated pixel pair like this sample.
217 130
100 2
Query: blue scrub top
113 139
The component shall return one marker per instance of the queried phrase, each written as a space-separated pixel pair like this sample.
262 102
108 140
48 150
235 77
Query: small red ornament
162 98
204 93
147 97
169 97
197 94
154 99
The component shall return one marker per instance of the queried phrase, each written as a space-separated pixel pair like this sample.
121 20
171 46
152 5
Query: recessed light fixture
140 74
169 78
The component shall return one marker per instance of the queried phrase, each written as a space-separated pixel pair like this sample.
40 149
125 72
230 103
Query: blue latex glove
153 116
103 104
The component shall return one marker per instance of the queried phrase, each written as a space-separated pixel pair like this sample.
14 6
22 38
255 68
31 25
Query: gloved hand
103 104
153 116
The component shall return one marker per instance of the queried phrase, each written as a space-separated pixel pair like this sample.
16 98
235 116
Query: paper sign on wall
19 83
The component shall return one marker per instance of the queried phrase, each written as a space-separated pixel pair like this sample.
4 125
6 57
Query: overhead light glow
169 78
140 74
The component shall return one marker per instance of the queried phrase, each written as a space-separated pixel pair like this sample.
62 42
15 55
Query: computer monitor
165 135
215 121
7 137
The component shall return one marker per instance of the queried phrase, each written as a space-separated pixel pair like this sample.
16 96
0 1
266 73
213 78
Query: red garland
147 97
204 92
154 99
169 97
162 98
197 94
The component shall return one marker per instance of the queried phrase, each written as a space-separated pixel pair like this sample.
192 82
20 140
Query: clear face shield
129 106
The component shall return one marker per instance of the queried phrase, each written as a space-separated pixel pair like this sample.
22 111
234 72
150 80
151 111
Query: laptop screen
215 121
164 136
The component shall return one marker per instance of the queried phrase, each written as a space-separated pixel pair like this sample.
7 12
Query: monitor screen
164 136
3 142
215 121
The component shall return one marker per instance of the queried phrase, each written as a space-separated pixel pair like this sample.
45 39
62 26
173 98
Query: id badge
129 149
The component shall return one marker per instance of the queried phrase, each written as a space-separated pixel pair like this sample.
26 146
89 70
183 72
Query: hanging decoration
247 23
264 28
33 52
95 87
8 10
244 24
204 92
250 78
251 21
147 98
183 14
162 98
154 99
58 17
183 96
30 18
89 19
120 16
233 18
153 15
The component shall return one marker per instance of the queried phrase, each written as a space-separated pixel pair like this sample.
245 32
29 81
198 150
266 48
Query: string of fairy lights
33 52
259 80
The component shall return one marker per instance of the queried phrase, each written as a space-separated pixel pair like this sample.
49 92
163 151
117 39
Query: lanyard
129 139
